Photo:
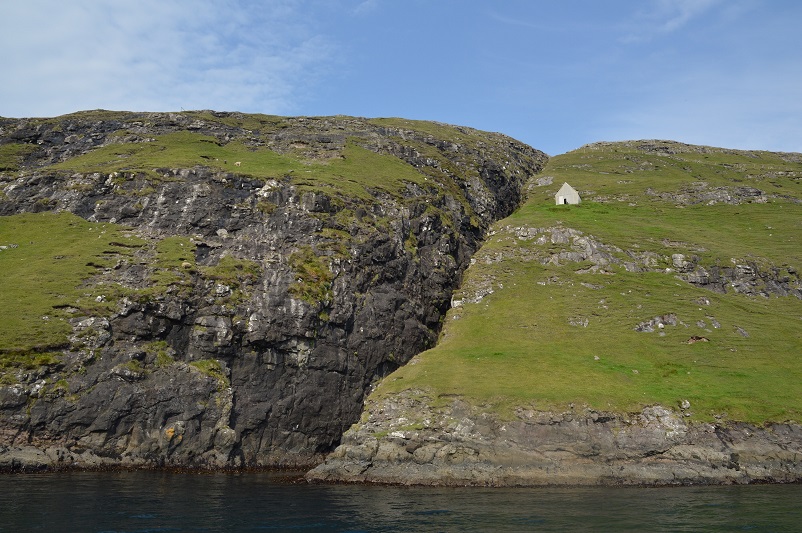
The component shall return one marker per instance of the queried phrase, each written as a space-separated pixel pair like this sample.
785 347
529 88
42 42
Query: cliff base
404 440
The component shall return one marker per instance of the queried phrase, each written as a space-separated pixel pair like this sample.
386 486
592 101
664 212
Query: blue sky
554 74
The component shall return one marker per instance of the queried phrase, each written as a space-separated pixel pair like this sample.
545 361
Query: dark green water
160 501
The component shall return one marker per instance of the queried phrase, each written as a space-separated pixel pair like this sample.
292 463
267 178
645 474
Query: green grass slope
348 173
57 268
538 324
45 259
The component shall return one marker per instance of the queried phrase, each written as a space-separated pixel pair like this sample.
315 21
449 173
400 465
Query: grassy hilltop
618 302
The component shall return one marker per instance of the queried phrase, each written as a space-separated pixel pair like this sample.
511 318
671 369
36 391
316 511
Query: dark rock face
404 440
270 370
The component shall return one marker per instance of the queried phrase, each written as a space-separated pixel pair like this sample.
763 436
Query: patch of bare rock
404 440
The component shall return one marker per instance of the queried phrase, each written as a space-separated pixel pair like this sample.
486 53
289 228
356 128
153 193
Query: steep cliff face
276 268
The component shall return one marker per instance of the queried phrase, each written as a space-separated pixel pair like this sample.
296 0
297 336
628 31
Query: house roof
566 188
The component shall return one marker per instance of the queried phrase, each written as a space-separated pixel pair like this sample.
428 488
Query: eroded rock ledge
402 439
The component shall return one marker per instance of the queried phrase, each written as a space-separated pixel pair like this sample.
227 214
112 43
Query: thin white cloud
674 14
736 84
661 17
156 55
365 6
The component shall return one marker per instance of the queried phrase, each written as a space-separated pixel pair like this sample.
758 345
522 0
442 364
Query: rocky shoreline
403 440
29 459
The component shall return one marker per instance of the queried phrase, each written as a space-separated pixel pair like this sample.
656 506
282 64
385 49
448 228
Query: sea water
259 501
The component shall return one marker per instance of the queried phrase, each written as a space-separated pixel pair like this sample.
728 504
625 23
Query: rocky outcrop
561 245
746 276
258 346
404 439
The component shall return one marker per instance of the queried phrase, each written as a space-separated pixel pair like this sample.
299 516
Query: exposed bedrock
404 440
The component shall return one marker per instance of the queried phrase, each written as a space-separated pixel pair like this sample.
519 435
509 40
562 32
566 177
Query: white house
567 195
